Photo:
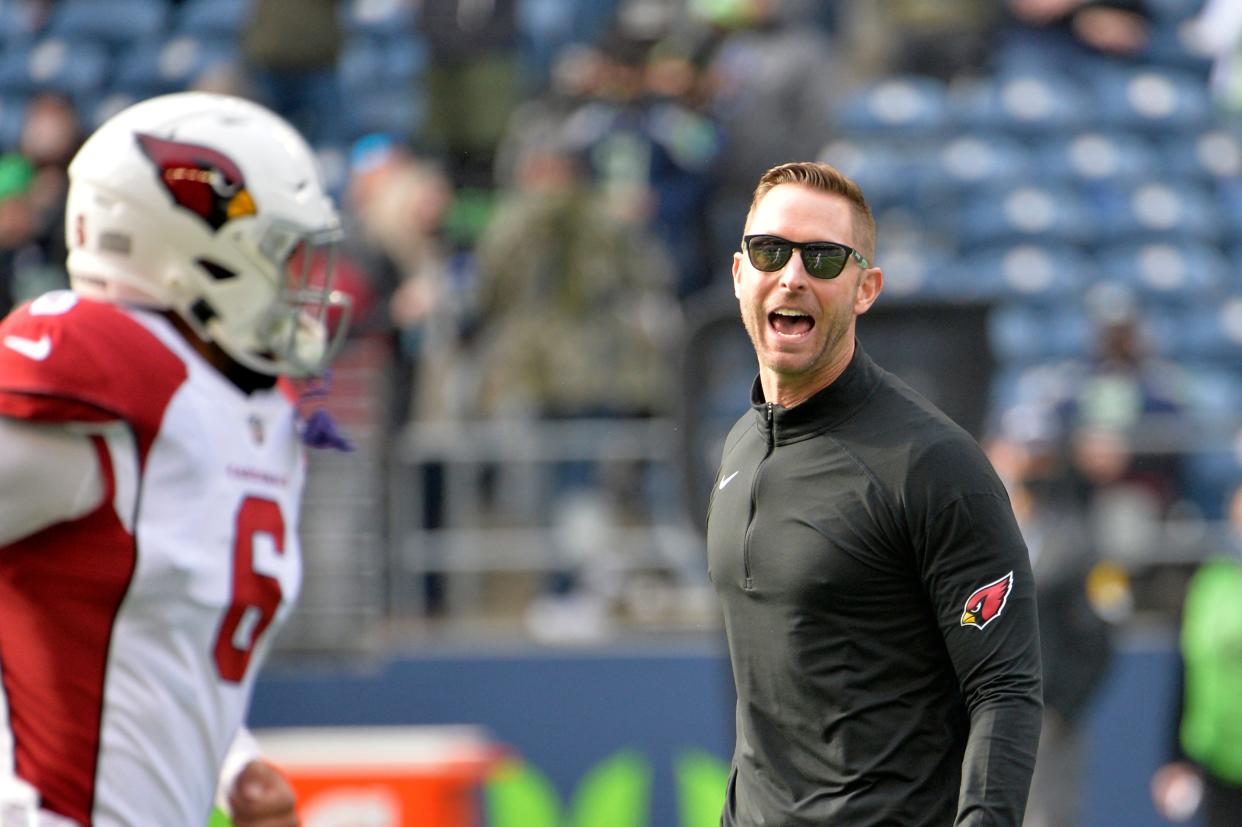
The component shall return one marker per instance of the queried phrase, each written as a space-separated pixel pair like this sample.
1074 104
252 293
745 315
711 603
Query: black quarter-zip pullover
845 536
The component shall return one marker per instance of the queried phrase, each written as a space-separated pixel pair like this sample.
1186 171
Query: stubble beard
794 366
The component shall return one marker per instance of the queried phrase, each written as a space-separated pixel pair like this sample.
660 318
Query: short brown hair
825 178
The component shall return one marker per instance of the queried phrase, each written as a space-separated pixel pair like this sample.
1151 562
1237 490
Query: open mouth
790 322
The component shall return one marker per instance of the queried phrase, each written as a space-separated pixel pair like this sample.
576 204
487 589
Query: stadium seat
1213 332
879 164
379 18
211 19
1023 104
1086 158
1169 46
1014 213
1167 274
1152 100
74 68
1213 155
12 116
1023 335
904 105
1171 12
972 159
116 23
1029 273
918 267
167 65
19 23
395 111
1167 209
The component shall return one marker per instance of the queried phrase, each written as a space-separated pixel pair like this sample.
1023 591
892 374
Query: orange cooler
384 776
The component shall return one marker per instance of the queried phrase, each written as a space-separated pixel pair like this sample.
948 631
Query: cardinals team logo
200 179
986 603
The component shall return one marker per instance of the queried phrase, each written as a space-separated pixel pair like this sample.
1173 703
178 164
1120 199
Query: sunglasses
822 259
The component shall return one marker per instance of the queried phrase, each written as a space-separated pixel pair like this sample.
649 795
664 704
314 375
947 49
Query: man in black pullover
877 595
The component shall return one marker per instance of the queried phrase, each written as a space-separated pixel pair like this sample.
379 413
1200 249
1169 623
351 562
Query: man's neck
790 391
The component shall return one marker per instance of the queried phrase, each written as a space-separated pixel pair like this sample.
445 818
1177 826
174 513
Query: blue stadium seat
1161 209
12 116
1213 332
1168 46
116 23
1092 156
1168 274
1014 213
1029 273
880 165
76 69
1213 155
972 159
917 266
1229 201
1153 100
396 111
168 65
379 18
19 23
1028 103
1170 12
96 110
211 19
904 105
1022 335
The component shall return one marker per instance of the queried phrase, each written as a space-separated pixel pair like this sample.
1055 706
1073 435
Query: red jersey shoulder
66 358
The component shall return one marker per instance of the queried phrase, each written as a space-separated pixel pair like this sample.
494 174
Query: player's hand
261 797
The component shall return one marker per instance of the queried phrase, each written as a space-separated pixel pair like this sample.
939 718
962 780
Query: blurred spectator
398 204
1068 33
1075 638
51 134
473 83
651 147
1217 32
575 304
290 48
944 39
1123 421
1206 773
28 266
576 320
774 81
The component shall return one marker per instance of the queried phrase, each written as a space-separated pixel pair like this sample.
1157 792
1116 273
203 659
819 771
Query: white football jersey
130 637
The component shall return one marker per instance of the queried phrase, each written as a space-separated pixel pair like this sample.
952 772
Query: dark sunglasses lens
824 261
768 254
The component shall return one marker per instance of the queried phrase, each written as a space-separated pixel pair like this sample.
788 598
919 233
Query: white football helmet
211 206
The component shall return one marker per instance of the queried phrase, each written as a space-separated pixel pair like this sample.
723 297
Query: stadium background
538 572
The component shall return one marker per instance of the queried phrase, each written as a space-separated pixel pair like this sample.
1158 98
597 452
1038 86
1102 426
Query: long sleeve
979 579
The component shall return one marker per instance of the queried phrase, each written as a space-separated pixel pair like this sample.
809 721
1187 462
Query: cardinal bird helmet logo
200 179
986 603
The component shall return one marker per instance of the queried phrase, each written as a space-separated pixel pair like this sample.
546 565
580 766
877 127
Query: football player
151 468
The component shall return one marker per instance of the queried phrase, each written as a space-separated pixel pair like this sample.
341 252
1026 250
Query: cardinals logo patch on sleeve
986 603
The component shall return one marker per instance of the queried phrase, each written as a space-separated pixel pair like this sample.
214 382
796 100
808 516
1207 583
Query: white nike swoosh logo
727 480
37 349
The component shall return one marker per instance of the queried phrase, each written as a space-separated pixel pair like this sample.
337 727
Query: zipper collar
824 410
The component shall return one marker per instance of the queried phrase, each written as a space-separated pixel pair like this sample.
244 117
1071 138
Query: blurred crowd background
543 197
542 200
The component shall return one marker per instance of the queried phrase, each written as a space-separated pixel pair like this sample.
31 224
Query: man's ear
737 274
870 283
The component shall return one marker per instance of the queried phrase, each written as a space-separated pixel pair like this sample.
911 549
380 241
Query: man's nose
793 274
